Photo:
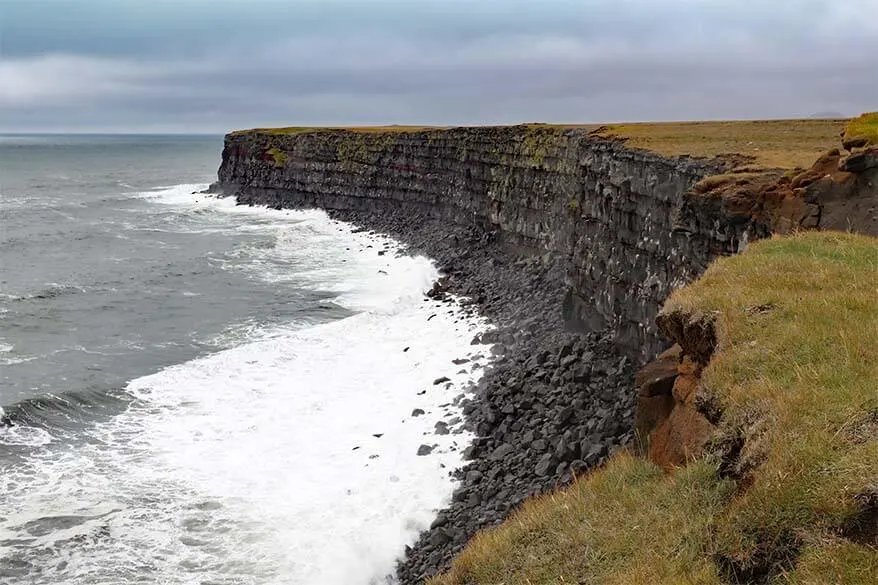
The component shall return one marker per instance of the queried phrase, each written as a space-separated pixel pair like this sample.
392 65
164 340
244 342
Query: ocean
194 392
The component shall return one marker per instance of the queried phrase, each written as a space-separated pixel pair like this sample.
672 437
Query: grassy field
784 144
796 376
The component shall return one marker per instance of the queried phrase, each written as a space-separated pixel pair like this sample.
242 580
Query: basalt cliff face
616 215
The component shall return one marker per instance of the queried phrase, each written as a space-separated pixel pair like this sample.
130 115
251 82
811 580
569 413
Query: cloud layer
208 67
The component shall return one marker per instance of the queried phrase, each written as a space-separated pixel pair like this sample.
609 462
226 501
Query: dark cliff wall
615 214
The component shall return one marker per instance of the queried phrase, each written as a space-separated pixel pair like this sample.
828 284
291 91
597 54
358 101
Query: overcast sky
210 66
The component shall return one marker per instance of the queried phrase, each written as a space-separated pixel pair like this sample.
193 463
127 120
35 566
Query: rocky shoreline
546 230
553 403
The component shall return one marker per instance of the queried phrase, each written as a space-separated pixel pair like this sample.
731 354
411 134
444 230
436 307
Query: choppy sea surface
194 392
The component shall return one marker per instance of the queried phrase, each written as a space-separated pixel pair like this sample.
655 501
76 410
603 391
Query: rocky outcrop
673 422
838 192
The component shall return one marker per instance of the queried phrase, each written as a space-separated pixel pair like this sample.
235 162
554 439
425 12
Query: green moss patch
279 156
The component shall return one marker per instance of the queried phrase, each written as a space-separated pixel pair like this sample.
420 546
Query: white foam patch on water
9 357
259 464
314 246
23 436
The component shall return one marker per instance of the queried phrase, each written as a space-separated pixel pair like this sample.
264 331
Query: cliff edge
776 374
633 224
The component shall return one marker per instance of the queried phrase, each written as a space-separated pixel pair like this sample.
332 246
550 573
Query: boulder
860 161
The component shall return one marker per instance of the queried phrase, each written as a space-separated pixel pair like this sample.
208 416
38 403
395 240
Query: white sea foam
9 357
260 464
23 436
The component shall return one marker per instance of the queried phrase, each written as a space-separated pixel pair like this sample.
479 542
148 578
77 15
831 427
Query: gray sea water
99 284
183 382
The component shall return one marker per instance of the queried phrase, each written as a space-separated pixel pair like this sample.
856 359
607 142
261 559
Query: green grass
836 561
279 156
782 144
629 524
865 127
802 377
799 380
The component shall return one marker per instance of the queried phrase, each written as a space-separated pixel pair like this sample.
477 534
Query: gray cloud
195 66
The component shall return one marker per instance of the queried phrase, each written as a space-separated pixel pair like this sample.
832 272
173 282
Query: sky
211 66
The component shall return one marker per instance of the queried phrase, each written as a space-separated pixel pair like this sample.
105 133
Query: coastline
569 242
551 405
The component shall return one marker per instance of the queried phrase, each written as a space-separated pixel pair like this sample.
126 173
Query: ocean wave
181 194
289 456
298 438
322 413
50 291
57 411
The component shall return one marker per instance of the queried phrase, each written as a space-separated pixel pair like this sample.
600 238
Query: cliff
614 213
625 219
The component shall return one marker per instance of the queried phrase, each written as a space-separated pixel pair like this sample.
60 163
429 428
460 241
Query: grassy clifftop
783 144
767 143
861 131
787 491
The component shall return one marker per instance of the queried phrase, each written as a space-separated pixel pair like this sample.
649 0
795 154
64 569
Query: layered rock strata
612 213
